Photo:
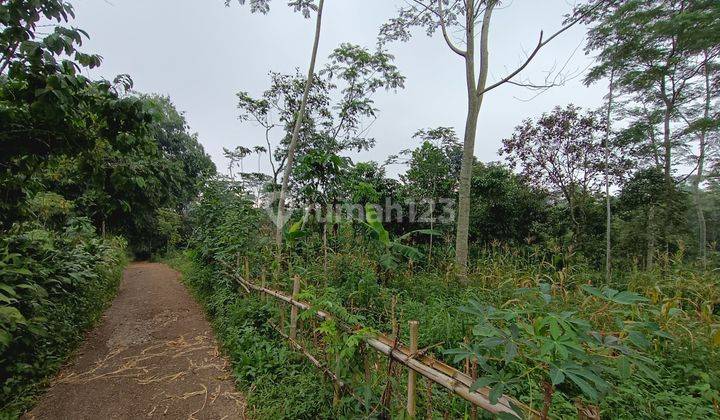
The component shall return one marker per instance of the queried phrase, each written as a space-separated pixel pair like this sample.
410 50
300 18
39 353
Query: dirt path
153 355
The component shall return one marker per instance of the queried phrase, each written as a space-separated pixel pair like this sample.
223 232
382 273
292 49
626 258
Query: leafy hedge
54 285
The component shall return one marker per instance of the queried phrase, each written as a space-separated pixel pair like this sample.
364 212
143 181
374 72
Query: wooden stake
473 375
429 410
393 319
411 409
467 361
294 309
247 269
281 321
262 284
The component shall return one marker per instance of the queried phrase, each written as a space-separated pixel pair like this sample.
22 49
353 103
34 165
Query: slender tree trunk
669 182
651 242
702 226
475 92
296 131
608 226
325 249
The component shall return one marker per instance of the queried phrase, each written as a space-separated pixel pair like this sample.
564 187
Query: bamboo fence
454 380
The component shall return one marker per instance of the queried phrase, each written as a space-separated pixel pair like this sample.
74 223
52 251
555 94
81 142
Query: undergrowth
54 286
279 383
276 381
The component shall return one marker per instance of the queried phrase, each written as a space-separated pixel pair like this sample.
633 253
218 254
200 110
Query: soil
152 355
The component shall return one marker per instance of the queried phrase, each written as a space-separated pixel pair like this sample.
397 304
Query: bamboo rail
436 371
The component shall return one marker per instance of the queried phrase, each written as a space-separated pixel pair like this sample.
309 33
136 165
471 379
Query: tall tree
339 110
296 132
657 49
704 123
563 152
306 7
467 16
608 215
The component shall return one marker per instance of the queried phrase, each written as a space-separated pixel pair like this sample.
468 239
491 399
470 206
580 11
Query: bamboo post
393 319
262 284
473 375
466 340
281 320
294 309
439 373
247 269
336 387
411 409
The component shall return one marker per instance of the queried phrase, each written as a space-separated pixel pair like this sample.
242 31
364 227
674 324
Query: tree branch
443 26
542 42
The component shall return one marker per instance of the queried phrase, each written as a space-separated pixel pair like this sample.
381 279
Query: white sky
201 54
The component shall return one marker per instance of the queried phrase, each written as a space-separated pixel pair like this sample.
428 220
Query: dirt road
152 355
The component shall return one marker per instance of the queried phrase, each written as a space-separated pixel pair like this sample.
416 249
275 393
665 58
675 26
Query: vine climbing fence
415 361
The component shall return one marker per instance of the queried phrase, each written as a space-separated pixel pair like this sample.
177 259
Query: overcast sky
202 53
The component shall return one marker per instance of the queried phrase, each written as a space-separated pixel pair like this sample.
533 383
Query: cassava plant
559 350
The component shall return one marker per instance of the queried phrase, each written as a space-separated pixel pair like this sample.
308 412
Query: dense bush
54 284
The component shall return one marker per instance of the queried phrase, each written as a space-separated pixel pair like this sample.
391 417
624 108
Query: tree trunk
608 226
294 139
463 220
475 92
650 252
702 226
669 182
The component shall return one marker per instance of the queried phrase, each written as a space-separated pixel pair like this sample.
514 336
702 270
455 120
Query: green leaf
5 338
628 298
556 375
496 392
511 351
594 291
585 387
638 339
555 330
623 367
13 315
482 383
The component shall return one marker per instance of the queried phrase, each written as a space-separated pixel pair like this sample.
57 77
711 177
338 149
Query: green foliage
117 156
392 249
647 339
505 207
558 349
54 285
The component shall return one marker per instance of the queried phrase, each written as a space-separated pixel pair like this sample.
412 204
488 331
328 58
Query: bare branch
443 26
542 42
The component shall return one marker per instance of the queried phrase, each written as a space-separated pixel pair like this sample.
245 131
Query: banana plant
294 232
392 248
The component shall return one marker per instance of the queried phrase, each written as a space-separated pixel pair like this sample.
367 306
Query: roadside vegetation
642 346
579 274
91 173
